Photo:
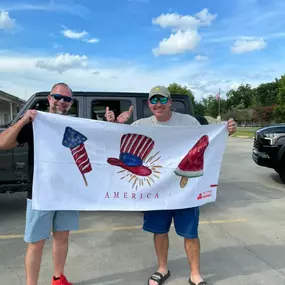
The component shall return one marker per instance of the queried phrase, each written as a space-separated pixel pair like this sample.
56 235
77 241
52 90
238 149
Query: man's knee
160 235
36 246
61 236
192 240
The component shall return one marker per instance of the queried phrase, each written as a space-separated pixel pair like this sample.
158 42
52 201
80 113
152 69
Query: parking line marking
83 231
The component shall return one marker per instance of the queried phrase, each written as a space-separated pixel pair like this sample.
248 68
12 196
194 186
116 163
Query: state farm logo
204 195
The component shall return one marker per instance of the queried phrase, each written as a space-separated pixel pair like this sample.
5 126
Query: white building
9 107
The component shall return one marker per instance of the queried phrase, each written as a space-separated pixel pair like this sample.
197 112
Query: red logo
204 195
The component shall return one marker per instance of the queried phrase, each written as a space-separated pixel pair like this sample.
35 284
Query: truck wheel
281 172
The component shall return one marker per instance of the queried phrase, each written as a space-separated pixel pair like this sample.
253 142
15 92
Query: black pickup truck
269 149
91 105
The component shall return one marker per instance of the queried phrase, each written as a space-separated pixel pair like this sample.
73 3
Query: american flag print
74 140
138 145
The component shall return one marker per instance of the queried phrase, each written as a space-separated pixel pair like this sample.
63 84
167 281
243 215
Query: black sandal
201 283
159 278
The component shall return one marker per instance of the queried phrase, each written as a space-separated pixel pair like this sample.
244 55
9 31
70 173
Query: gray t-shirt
177 119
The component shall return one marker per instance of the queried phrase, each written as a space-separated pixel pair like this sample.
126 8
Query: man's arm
8 138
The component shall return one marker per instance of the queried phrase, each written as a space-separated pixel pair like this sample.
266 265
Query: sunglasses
162 100
58 97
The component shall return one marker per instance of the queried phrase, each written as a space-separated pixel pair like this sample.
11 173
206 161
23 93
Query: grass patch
245 132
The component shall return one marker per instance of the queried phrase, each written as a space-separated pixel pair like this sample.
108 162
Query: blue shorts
186 222
40 224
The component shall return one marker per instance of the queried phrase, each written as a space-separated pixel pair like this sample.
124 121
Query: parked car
269 149
91 105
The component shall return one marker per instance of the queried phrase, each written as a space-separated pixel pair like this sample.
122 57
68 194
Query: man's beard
55 110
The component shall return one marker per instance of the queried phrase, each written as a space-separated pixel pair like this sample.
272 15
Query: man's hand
232 126
122 118
109 115
29 116
125 116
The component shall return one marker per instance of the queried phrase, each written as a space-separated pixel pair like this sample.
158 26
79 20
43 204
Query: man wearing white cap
186 221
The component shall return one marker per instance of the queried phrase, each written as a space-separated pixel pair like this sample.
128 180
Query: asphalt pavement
242 236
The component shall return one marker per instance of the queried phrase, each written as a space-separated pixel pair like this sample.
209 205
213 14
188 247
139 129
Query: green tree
266 93
199 109
212 106
175 88
241 98
279 110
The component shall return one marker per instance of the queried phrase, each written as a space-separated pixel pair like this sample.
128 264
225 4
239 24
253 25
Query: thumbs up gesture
109 115
125 116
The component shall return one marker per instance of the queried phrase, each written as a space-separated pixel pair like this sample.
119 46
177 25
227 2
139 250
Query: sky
133 45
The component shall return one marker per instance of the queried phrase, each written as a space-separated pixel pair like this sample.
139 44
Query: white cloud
201 58
74 35
176 21
185 36
183 23
36 73
63 62
205 18
178 43
6 23
52 6
248 44
91 41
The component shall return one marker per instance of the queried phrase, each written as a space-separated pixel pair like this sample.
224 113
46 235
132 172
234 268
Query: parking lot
242 236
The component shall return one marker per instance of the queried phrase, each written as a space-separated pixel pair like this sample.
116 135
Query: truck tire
281 172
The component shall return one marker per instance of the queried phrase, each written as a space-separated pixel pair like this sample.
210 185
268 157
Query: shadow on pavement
219 264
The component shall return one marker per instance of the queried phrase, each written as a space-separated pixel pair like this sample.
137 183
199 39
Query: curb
243 137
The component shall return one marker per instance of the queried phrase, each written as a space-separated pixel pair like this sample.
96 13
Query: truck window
177 106
98 108
43 105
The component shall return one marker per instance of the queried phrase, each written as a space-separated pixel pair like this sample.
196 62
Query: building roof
11 97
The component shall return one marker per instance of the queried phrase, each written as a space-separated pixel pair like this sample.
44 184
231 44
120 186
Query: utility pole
218 97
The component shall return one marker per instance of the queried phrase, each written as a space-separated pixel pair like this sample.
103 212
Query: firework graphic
192 164
74 140
139 166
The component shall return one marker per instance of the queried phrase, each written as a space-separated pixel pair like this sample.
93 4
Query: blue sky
131 45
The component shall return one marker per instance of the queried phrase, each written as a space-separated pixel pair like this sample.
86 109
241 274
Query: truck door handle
20 165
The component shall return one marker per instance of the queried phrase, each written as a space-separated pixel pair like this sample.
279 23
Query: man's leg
158 223
64 222
161 244
192 248
38 226
186 225
33 260
59 252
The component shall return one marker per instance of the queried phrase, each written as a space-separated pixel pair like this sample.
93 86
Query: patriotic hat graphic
134 149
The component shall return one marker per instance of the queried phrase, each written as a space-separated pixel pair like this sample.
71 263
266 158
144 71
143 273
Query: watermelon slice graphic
192 165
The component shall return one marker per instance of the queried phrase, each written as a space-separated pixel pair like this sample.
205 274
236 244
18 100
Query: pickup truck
269 149
90 105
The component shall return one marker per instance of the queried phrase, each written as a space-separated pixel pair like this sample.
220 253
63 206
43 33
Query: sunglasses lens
59 97
67 99
153 100
56 97
163 100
